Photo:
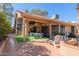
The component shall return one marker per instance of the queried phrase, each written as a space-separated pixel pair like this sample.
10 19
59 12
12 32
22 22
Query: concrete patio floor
37 48
46 49
69 50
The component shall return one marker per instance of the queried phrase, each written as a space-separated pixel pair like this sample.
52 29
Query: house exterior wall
25 26
62 29
67 29
18 24
77 30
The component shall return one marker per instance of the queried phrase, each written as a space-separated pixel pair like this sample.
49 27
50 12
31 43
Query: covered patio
26 23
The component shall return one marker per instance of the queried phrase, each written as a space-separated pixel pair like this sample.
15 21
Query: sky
66 11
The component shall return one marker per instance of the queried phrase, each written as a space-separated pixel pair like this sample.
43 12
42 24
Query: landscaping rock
72 41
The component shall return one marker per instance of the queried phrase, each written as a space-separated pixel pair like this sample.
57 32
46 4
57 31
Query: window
19 22
19 26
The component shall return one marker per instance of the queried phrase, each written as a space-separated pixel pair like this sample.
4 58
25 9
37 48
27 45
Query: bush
71 35
19 38
22 39
36 35
56 33
27 39
62 34
5 26
31 34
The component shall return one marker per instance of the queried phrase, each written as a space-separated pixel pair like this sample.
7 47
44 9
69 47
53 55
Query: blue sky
66 11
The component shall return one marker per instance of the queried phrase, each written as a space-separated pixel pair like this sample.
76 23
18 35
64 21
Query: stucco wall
67 29
77 30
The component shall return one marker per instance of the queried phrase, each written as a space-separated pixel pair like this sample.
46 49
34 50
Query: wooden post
50 29
26 28
59 28
16 28
75 30
40 27
23 25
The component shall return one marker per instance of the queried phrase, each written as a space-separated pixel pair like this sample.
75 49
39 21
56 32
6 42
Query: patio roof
32 17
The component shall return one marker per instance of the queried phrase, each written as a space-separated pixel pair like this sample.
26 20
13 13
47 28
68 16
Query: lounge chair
56 41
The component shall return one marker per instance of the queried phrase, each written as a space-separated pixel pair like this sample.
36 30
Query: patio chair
63 38
56 41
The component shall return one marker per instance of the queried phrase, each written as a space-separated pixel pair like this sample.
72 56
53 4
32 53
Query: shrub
56 33
5 26
71 35
31 34
19 38
27 39
36 35
22 39
62 34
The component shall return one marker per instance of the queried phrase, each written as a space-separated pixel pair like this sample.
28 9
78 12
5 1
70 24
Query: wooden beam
36 20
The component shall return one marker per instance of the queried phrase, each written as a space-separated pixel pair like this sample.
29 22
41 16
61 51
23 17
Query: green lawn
33 38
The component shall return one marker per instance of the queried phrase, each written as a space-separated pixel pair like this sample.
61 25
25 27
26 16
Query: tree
7 9
44 12
5 26
40 12
27 11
